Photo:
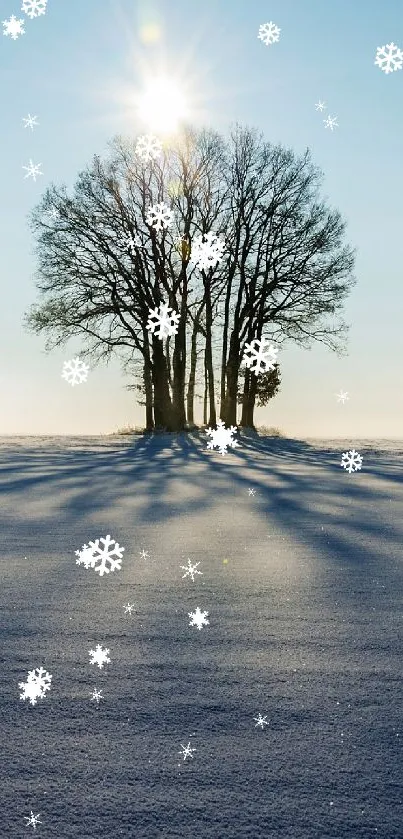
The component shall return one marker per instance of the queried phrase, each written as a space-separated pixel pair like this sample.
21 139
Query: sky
79 68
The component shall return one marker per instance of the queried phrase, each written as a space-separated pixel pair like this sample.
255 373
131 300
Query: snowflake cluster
36 685
102 559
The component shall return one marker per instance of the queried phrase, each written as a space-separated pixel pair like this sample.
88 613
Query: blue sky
76 68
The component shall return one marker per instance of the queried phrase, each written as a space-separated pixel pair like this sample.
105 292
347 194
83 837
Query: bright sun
162 106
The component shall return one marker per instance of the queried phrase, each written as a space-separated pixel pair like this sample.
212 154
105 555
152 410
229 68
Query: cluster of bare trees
284 269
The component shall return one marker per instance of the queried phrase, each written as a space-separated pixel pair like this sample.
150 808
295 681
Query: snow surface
302 584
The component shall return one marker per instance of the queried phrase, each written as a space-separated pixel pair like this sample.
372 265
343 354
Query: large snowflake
75 371
167 323
159 216
38 682
389 58
207 251
269 33
101 559
199 618
13 27
34 8
100 656
33 169
148 147
222 437
257 358
351 461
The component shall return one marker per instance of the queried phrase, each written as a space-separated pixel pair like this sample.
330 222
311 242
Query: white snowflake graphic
144 554
207 250
260 721
269 33
190 570
92 554
99 656
13 27
159 216
199 618
33 820
129 608
187 751
222 437
389 58
342 397
320 106
351 461
148 147
167 323
75 372
32 170
30 122
133 242
34 8
258 359
251 492
36 685
97 695
330 122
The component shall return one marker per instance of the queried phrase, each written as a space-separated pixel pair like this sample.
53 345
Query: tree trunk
148 384
205 394
163 412
248 400
229 411
192 376
179 371
209 359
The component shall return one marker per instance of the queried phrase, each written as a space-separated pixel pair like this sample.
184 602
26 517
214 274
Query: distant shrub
269 431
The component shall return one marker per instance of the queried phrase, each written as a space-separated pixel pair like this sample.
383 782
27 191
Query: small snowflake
199 618
34 8
129 608
187 751
159 217
320 106
30 122
97 695
190 570
252 491
269 33
75 371
257 358
13 27
32 170
167 324
207 250
351 461
148 147
260 721
33 820
133 242
104 556
389 58
341 397
99 656
330 122
144 554
222 437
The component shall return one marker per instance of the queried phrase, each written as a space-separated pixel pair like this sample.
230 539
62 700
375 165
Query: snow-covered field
302 582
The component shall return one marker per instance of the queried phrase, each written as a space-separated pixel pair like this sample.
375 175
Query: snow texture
305 628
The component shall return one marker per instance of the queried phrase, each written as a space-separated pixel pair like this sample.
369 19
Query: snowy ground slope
302 584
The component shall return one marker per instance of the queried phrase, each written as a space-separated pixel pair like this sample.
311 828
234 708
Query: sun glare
162 106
